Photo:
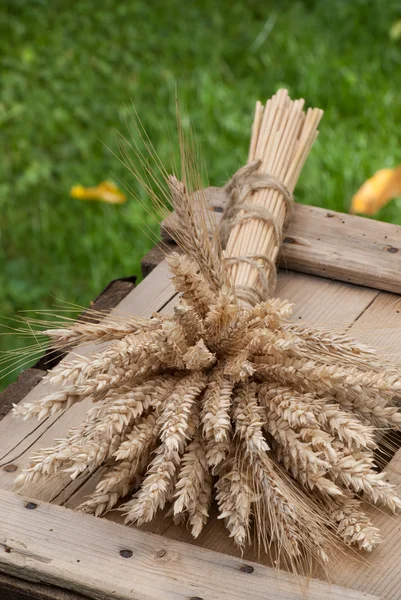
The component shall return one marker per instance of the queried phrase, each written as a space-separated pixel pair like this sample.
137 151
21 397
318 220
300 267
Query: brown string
267 277
239 190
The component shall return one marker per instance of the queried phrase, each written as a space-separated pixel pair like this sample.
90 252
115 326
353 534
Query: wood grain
330 244
103 560
380 575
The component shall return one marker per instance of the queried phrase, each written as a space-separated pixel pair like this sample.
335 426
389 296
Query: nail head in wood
31 505
161 553
126 553
10 468
247 569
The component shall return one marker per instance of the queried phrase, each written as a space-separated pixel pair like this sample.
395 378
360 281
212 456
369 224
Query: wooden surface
103 560
318 300
380 325
330 244
372 315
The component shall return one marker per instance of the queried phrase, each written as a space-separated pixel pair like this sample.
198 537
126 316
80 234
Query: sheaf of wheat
227 399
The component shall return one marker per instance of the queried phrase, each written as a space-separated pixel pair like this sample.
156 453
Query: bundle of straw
282 136
227 398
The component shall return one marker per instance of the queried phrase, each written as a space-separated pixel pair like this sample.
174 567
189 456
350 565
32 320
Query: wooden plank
103 560
380 326
343 247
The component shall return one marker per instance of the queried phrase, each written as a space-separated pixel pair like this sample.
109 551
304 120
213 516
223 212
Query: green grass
69 71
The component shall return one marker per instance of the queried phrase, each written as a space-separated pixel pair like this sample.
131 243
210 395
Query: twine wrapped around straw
261 193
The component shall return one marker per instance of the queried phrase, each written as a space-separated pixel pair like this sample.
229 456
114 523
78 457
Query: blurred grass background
69 72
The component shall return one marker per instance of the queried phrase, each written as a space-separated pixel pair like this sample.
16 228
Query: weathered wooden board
330 244
373 315
103 560
380 326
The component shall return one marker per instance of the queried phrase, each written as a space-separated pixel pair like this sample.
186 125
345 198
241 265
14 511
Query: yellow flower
377 191
106 191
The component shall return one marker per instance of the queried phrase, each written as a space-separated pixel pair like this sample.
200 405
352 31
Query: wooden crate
44 544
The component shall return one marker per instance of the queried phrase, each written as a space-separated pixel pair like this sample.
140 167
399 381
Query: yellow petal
106 191
377 191
78 191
